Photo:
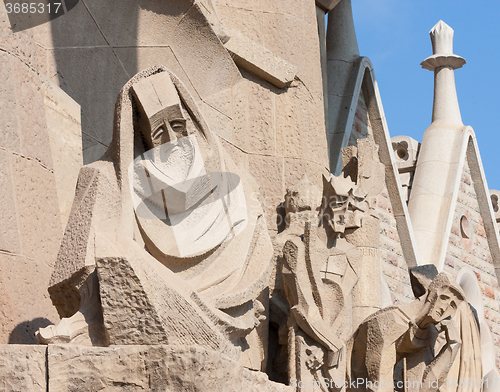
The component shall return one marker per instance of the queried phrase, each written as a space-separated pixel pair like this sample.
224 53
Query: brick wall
474 252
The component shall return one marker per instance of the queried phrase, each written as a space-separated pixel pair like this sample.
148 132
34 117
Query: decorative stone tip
442 47
442 38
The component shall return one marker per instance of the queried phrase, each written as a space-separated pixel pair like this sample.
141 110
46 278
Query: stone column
342 57
438 161
443 62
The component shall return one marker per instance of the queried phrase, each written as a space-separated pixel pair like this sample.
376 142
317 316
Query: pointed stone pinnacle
442 39
442 47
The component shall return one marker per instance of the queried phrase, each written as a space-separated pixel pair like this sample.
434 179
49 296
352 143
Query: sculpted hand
451 332
314 358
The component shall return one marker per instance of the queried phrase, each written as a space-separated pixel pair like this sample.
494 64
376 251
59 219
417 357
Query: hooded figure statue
164 244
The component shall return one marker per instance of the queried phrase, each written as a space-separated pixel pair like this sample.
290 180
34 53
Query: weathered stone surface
9 131
146 368
97 101
9 235
254 116
135 59
23 368
268 172
295 169
62 115
283 34
30 112
260 61
24 302
245 18
38 210
299 112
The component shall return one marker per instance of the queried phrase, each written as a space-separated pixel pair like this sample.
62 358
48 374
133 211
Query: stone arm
440 366
300 297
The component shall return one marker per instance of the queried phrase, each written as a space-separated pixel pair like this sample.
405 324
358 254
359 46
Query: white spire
443 62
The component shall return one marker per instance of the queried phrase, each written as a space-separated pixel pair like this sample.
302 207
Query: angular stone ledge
150 368
260 61
23 368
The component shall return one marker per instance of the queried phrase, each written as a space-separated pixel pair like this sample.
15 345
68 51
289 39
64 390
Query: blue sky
394 34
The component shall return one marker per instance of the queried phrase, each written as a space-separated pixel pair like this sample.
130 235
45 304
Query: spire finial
442 38
442 47
443 62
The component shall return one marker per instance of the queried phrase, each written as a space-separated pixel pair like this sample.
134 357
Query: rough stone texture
150 368
394 266
399 343
250 113
475 253
38 211
24 304
125 40
63 124
30 210
270 172
253 57
23 368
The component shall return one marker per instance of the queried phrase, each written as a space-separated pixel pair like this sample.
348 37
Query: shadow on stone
24 333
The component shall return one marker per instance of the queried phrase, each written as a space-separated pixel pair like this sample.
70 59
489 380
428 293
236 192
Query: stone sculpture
320 265
429 344
164 244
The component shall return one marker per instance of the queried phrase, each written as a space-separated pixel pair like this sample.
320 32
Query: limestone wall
394 267
278 134
29 211
468 246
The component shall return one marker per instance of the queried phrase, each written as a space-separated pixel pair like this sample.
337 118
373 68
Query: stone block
239 157
61 32
9 131
284 35
9 236
254 58
24 299
268 173
154 368
92 149
295 169
254 117
244 4
20 43
23 368
62 114
94 92
293 7
30 113
300 125
202 55
37 209
142 23
219 123
244 19
135 59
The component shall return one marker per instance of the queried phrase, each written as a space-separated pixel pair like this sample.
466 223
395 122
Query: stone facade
40 153
468 246
243 105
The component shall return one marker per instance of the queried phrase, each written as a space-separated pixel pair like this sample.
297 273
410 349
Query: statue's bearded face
163 118
444 303
166 128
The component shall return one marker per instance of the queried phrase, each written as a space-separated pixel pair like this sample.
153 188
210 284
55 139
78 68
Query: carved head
343 203
444 296
162 117
303 196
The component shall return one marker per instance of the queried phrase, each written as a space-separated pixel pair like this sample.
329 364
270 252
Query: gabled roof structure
446 147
